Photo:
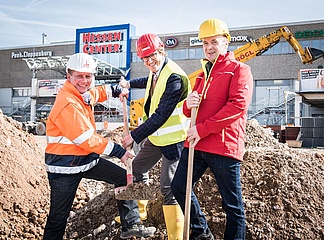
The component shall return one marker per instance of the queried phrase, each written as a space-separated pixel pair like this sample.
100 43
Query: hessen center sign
110 43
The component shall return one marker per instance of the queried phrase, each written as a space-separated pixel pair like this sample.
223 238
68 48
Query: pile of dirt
282 189
24 193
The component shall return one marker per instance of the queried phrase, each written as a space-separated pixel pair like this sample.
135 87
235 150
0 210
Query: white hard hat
81 62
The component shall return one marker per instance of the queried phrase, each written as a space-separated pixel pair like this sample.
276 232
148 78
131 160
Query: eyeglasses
152 57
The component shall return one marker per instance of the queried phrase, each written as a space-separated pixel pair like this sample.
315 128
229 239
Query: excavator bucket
316 53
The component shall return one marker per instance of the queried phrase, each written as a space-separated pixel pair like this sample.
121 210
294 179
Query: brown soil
282 188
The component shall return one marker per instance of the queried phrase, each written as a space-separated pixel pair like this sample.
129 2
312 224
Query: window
183 53
135 58
21 92
285 48
170 54
319 44
305 43
276 49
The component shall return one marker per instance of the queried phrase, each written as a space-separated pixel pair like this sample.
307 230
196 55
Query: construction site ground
282 188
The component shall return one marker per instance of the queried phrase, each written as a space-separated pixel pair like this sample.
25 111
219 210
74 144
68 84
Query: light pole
44 35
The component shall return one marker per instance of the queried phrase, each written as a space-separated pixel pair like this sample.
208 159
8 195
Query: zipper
223 135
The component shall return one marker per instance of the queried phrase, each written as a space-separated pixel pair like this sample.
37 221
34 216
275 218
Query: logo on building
309 33
26 54
170 42
195 41
102 42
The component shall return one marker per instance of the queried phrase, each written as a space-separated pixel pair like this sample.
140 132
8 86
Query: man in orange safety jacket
74 148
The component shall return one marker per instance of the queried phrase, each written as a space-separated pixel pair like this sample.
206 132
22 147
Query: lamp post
44 35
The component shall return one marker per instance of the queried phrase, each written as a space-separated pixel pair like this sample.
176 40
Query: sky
23 22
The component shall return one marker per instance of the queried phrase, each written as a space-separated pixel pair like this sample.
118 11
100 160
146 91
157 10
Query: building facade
284 88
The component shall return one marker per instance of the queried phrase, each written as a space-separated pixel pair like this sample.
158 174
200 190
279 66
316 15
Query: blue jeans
63 190
227 174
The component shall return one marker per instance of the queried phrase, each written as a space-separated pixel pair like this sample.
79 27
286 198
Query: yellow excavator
248 51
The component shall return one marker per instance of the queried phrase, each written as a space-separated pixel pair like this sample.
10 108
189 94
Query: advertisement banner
49 88
312 80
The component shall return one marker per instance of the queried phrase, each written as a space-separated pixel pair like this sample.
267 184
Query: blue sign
170 42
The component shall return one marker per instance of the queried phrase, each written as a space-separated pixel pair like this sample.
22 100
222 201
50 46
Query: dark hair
70 71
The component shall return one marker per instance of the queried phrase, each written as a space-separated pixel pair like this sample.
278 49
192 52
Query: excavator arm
258 46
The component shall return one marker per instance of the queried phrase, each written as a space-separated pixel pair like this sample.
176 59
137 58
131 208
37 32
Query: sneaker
201 236
138 230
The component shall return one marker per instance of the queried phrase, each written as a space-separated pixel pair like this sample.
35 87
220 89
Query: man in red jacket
222 94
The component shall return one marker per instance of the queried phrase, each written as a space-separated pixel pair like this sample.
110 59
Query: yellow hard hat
213 27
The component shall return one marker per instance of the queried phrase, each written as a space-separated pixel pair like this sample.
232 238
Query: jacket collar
221 58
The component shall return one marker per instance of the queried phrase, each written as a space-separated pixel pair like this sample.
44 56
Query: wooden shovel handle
125 117
189 180
129 169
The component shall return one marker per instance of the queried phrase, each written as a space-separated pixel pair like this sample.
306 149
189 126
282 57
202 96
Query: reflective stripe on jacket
175 128
222 113
73 144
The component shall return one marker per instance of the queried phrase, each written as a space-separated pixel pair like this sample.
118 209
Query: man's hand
193 100
125 93
124 83
128 141
193 136
127 155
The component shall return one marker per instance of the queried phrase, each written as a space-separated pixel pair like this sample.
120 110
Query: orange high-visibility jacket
72 142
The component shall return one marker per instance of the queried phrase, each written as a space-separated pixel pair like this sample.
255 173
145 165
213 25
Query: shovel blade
119 190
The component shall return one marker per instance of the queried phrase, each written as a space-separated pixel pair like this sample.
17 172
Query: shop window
319 44
21 92
170 54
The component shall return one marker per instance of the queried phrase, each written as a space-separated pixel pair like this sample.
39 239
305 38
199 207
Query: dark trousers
227 174
63 190
147 157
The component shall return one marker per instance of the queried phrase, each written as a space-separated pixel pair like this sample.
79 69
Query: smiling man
222 94
74 150
164 129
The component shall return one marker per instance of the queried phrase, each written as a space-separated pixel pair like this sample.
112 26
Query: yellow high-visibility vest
174 130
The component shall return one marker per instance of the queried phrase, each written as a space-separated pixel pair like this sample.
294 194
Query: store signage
26 54
170 42
106 42
241 38
195 41
309 33
110 44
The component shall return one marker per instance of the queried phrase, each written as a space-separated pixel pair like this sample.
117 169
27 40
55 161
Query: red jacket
222 113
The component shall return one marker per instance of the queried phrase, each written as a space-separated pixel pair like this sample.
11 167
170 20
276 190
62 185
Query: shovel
186 227
129 169
132 191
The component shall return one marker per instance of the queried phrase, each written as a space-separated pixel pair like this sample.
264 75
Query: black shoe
138 230
201 236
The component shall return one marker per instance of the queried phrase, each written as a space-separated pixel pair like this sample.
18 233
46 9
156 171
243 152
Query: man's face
80 80
214 45
153 61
